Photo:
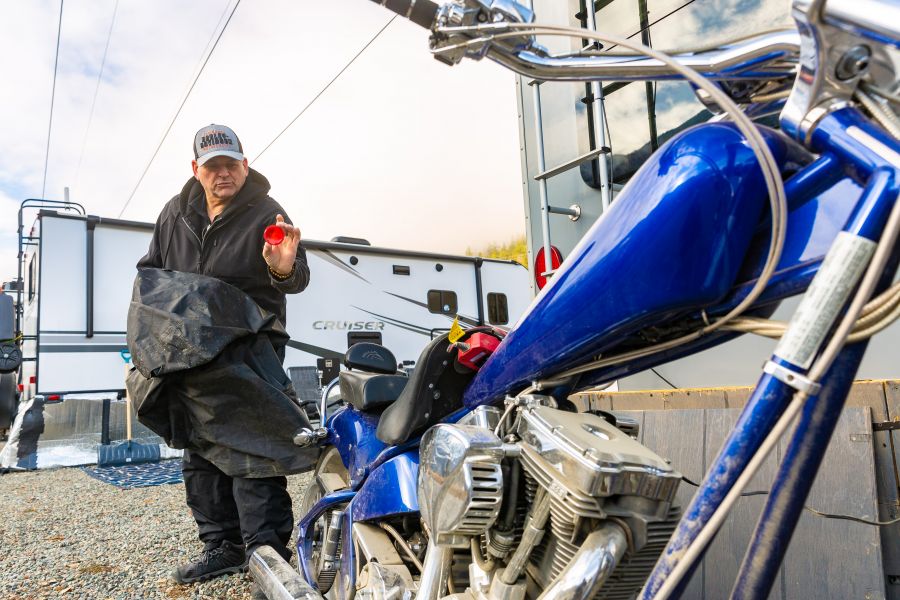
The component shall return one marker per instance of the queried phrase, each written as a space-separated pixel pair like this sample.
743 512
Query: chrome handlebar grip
769 56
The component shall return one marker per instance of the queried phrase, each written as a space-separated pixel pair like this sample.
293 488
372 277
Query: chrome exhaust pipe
591 566
435 572
277 579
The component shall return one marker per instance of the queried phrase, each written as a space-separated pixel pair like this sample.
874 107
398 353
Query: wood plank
881 397
703 398
647 400
871 394
737 397
887 453
830 558
863 393
724 557
677 435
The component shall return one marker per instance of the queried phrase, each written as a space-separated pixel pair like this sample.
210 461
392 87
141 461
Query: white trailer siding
367 290
498 278
354 289
113 247
70 360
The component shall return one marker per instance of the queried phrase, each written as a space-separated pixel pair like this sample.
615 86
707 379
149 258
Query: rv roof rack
343 239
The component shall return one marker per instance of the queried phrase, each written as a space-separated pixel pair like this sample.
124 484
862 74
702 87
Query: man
215 227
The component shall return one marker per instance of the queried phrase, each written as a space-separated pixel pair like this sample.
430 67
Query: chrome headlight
460 482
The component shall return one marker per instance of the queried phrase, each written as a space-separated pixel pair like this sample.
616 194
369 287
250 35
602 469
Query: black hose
511 501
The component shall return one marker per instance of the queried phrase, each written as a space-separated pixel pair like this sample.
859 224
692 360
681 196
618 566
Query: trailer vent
401 270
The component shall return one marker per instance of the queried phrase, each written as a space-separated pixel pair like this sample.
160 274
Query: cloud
401 150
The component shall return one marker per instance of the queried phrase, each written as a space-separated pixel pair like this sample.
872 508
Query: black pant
253 512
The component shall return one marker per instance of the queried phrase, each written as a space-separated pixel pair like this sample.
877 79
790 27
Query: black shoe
212 562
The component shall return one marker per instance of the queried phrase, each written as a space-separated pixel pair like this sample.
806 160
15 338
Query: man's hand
280 258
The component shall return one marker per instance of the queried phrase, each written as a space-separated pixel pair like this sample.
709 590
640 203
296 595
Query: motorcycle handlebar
420 12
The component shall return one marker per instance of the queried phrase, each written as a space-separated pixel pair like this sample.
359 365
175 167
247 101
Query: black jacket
229 249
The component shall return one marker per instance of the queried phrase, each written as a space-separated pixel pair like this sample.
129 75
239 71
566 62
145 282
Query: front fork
786 373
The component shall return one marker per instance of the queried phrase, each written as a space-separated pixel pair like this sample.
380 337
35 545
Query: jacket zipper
199 240
191 229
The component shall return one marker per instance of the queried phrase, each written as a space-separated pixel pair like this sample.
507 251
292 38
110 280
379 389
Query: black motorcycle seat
370 391
434 391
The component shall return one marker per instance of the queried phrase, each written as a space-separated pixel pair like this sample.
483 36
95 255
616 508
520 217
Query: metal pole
598 110
649 87
542 166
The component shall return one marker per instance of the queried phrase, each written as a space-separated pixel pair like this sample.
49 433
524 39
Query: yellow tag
456 332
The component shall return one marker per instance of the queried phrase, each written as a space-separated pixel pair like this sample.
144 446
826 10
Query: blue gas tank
673 240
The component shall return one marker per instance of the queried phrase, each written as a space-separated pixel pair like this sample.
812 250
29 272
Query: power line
87 131
212 35
642 29
52 99
658 374
178 112
324 89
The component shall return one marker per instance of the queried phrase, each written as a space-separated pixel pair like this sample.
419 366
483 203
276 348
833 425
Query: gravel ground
64 534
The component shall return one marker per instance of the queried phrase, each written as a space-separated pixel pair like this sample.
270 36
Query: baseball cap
217 140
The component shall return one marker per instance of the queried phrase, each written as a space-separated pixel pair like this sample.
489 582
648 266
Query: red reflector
273 234
54 398
481 345
32 380
21 387
540 268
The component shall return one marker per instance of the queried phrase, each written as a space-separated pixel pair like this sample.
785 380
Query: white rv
78 273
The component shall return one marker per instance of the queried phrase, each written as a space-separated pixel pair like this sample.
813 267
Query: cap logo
215 138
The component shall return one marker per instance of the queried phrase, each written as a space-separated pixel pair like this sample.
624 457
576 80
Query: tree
514 249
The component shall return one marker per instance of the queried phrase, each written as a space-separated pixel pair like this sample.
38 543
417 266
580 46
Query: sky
401 150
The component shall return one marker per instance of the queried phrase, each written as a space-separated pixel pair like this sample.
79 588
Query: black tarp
208 377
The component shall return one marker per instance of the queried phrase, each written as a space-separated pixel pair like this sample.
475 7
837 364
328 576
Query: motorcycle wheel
323 578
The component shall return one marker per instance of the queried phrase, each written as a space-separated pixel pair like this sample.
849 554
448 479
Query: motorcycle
475 477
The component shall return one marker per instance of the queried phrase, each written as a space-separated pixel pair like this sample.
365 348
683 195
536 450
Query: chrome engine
464 459
595 473
586 509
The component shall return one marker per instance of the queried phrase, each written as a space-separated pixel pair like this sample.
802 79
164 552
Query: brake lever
455 26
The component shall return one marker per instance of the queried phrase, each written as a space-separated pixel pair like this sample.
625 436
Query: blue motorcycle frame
703 195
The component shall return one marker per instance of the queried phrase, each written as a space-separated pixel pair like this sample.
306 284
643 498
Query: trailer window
498 309
31 278
442 302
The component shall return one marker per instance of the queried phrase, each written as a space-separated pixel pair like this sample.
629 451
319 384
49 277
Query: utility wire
87 131
840 517
324 89
658 374
212 36
178 112
52 99
642 29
